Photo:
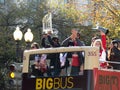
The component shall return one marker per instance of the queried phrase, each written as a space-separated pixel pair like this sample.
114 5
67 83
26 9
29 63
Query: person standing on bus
55 68
93 39
77 57
114 54
47 42
36 70
119 44
101 43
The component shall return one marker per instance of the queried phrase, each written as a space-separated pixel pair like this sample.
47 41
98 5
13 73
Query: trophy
104 30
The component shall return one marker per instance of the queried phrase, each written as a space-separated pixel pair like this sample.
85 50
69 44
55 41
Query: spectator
75 41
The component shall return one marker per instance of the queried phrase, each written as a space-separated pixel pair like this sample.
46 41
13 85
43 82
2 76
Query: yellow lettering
44 80
38 84
56 83
49 83
63 83
70 83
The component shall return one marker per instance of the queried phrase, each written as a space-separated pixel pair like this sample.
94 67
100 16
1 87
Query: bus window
56 64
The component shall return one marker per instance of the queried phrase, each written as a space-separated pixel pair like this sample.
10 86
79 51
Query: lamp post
17 37
28 38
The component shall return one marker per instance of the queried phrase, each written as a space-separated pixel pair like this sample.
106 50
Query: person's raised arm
103 38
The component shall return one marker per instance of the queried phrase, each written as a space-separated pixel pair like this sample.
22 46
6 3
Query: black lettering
114 81
101 79
107 80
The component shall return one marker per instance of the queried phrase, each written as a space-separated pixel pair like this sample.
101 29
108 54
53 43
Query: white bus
93 77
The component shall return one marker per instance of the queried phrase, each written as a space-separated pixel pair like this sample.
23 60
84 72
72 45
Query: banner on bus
106 80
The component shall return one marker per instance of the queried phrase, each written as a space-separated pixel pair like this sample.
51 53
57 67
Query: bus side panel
90 80
81 82
106 80
27 83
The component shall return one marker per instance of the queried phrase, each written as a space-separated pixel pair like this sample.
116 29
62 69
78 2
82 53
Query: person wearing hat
39 66
114 54
46 40
34 45
54 68
50 41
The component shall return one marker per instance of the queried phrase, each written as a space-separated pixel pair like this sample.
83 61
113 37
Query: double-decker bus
93 77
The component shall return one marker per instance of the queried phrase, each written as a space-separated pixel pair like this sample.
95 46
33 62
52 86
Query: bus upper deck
92 78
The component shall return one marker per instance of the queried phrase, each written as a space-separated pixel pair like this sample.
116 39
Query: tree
67 16
107 13
7 19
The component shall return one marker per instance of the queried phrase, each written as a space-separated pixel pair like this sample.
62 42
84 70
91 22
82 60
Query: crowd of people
60 61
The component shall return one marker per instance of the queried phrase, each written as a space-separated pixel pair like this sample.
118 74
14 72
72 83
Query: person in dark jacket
75 41
54 59
114 54
46 40
73 38
53 42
